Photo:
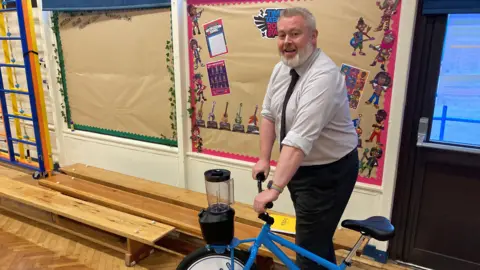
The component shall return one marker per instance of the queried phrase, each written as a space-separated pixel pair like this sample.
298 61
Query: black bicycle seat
376 227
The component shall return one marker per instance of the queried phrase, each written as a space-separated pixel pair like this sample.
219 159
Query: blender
217 221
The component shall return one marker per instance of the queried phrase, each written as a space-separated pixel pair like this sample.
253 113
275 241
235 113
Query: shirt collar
302 69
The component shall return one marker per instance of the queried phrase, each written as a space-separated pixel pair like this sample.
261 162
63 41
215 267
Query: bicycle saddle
376 227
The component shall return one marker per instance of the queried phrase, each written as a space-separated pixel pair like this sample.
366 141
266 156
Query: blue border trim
145 6
378 255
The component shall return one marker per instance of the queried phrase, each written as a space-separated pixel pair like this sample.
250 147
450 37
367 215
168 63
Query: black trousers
320 194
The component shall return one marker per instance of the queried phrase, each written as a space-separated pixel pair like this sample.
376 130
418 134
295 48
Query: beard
300 58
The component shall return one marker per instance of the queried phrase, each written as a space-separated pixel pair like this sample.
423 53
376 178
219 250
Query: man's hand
261 166
266 196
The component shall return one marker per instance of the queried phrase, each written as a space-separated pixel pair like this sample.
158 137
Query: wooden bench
244 214
135 236
185 220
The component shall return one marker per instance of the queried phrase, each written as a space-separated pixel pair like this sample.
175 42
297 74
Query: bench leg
136 252
265 263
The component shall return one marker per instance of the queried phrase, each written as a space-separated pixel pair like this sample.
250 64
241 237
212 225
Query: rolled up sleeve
266 109
316 107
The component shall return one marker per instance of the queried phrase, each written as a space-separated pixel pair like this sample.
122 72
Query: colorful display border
390 68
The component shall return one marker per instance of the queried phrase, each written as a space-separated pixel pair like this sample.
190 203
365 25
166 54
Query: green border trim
62 80
126 135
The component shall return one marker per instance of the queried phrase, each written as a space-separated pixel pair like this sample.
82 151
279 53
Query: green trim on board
126 135
61 77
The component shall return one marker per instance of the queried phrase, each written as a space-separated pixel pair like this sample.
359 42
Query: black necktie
294 80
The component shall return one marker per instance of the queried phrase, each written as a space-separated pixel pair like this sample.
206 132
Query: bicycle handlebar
264 216
260 179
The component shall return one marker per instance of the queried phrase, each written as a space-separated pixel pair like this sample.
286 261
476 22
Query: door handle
422 131
423 142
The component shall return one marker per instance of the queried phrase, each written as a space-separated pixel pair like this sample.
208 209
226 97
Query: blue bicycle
221 251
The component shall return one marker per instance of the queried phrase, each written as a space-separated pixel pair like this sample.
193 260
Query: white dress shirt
318 117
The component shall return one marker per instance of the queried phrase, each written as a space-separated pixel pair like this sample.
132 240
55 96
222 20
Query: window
456 117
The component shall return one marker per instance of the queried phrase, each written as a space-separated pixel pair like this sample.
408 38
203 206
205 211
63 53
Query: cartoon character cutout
354 99
194 14
360 83
350 83
380 83
371 162
389 7
384 49
358 129
380 117
357 40
196 52
196 138
199 86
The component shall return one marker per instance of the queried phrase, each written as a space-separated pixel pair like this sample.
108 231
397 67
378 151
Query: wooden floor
26 244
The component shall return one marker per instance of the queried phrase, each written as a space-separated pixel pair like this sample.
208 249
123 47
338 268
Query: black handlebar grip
260 176
267 218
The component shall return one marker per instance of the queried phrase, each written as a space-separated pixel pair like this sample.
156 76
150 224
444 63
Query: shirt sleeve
267 101
316 107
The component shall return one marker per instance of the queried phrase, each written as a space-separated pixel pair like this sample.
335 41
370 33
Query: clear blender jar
217 221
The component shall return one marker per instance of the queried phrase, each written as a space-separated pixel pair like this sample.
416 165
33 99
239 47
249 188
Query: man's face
295 40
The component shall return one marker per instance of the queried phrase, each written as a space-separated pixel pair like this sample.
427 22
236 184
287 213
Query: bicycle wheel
204 259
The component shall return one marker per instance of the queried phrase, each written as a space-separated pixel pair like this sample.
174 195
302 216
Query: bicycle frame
269 240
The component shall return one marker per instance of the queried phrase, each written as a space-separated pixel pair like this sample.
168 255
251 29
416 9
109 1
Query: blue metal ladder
16 159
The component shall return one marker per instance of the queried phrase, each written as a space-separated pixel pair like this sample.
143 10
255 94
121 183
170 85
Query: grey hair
300 11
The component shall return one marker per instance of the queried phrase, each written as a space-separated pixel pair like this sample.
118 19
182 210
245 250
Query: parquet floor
26 244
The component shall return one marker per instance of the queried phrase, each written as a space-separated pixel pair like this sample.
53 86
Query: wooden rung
119 223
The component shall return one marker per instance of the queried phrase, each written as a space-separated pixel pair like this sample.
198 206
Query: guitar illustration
224 123
211 118
211 115
238 127
254 119
238 117
200 121
225 115
252 122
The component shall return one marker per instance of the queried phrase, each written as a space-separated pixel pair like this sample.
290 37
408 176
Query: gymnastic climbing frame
43 165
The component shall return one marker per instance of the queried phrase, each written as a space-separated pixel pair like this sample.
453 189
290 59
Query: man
318 160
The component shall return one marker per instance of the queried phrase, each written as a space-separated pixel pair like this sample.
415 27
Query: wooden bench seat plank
180 196
120 223
184 219
343 238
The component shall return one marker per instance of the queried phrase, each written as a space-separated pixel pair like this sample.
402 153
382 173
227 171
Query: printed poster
355 80
218 78
266 22
216 42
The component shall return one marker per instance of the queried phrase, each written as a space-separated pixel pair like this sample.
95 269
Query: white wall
181 167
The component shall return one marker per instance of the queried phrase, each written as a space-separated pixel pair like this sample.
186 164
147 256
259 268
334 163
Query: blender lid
217 175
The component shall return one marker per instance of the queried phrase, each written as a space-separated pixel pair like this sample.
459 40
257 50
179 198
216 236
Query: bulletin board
233 51
118 72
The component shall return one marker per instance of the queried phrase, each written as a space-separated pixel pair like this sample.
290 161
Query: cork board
232 54
116 71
